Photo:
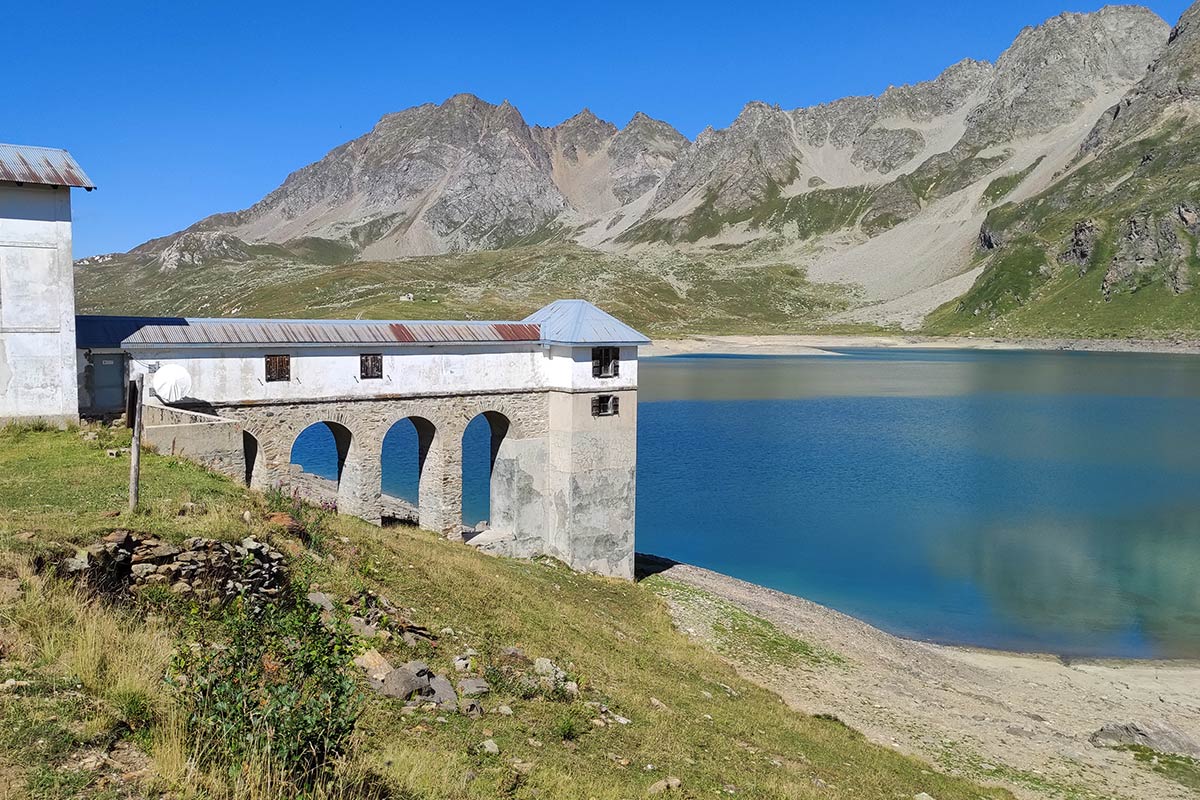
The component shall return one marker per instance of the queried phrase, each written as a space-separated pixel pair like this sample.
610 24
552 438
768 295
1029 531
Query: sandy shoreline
820 344
1018 720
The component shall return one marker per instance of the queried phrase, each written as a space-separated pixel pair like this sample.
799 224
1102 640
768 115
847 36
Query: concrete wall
591 477
221 376
212 441
37 305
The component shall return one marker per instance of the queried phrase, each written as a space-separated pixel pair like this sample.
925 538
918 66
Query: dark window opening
370 366
606 405
606 362
279 368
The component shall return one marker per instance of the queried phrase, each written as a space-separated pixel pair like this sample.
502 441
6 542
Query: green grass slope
1137 197
88 714
663 293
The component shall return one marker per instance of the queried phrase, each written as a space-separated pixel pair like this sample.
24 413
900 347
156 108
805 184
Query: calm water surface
1035 501
1032 501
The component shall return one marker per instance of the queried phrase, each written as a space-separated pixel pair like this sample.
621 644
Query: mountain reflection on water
1021 500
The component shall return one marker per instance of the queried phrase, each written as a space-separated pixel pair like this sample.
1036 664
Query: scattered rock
1019 730
472 709
515 656
12 683
442 690
387 620
360 627
504 711
667 784
922 796
1154 735
373 664
287 522
320 600
490 747
403 683
473 687
659 704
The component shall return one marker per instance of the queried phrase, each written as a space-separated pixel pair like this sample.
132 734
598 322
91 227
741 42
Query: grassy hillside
86 712
662 292
1108 251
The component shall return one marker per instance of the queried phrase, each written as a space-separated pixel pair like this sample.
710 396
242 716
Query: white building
37 284
558 390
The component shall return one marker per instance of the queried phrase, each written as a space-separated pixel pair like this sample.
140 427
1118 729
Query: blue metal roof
41 165
107 333
580 322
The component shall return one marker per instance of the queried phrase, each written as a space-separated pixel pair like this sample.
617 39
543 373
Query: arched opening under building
320 450
482 443
250 454
402 460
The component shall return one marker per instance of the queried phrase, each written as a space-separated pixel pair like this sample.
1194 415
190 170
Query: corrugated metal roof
41 165
105 332
580 322
248 332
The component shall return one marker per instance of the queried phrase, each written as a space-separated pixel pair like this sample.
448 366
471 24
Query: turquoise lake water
1031 501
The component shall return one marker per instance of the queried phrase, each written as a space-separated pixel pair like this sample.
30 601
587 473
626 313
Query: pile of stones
203 569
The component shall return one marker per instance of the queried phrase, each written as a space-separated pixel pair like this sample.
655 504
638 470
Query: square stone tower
591 450
38 376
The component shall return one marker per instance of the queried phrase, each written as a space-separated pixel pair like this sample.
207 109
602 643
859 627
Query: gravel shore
816 344
1022 721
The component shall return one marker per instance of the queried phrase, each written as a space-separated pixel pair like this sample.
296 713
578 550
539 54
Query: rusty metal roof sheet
41 165
255 332
580 322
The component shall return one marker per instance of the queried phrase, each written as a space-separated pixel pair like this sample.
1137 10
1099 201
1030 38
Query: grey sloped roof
231 332
580 322
41 165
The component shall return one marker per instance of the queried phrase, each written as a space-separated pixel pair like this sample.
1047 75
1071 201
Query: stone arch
422 435
357 463
498 427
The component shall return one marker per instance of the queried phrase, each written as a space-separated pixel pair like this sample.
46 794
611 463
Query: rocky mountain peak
1053 72
583 133
1167 89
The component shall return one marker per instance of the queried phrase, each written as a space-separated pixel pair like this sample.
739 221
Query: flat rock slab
473 687
403 684
373 664
1154 735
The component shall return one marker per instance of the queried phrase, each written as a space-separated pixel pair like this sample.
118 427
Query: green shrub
269 685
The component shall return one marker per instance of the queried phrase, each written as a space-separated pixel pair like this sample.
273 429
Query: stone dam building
558 391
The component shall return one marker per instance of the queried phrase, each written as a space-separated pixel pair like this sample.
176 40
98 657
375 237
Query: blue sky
180 110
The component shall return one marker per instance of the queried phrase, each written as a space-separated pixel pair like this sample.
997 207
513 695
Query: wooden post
135 450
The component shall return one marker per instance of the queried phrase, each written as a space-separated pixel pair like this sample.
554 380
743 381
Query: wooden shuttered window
606 362
606 405
279 368
370 366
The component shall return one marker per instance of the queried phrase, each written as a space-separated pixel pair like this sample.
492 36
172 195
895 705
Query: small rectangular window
606 405
370 366
606 362
279 368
